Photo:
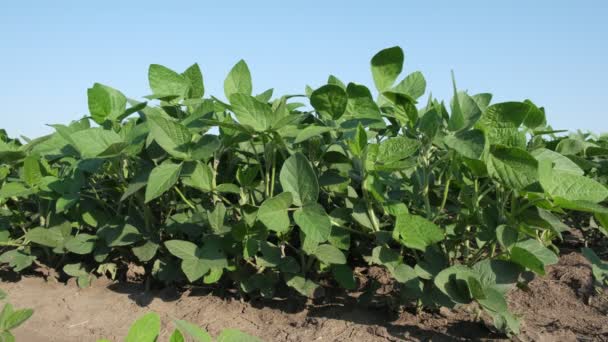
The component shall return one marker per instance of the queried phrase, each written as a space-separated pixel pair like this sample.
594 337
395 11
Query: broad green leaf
453 281
413 85
234 335
45 237
559 161
416 232
238 80
145 329
173 137
273 212
176 336
467 113
361 107
93 142
533 255
32 173
200 178
310 132
396 149
314 222
165 82
329 254
182 249
197 333
404 105
194 269
344 276
512 166
386 67
75 270
162 178
500 123
81 244
469 144
298 177
205 147
251 112
330 101
16 318
14 190
105 103
195 76
305 287
572 187
119 235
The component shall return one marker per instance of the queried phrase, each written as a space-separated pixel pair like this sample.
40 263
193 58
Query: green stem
184 198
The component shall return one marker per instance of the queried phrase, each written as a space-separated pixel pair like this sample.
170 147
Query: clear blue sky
553 52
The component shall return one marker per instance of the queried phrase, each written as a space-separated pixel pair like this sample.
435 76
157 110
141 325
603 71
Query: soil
562 306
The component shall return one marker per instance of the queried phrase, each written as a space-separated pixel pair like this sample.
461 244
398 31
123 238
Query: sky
552 52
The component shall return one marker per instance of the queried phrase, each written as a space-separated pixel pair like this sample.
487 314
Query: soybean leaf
314 222
386 66
273 212
298 177
145 329
416 232
162 178
330 101
238 80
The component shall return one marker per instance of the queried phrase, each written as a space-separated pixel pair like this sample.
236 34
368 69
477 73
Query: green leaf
93 142
146 251
344 276
273 212
233 335
559 161
184 250
165 82
162 178
329 254
329 101
314 222
305 287
197 333
298 177
571 187
251 112
176 336
500 123
416 232
194 269
200 178
32 174
533 255
361 108
469 144
386 67
145 329
173 137
16 318
512 166
310 132
413 85
105 103
45 237
81 244
14 190
195 76
238 80
453 281
119 235
396 149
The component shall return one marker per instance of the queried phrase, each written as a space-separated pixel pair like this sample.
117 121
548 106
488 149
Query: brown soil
559 307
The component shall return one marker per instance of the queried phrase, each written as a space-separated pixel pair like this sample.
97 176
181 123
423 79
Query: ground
562 306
